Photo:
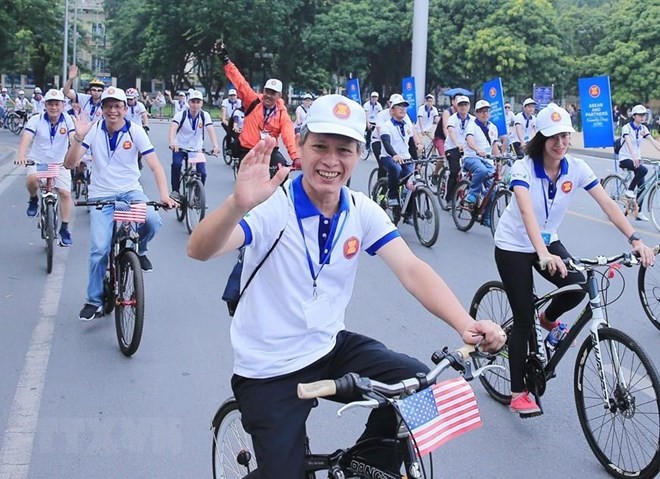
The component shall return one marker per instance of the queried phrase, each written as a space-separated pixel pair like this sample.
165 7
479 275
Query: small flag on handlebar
135 213
48 170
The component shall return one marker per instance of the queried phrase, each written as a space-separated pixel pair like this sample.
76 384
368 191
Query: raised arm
73 73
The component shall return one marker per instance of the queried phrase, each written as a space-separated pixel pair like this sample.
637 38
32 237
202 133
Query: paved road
72 406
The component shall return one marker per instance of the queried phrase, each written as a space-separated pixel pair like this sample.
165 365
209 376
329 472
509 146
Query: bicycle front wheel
49 221
443 180
653 204
196 204
232 451
181 208
497 207
615 187
129 310
461 210
226 152
623 433
648 287
490 302
14 123
425 216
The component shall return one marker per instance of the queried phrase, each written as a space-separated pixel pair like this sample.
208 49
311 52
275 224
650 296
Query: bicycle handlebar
98 204
628 258
206 152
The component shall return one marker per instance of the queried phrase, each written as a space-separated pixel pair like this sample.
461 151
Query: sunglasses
97 90
507 107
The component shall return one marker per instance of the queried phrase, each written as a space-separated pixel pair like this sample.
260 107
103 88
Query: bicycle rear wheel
615 187
624 434
49 222
226 151
129 308
425 216
461 211
366 151
232 451
182 207
14 122
653 205
648 287
443 179
490 302
196 204
373 177
497 207
428 168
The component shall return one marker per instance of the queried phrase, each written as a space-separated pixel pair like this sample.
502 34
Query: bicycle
415 201
648 287
192 199
81 178
616 186
123 284
496 199
616 385
232 452
16 121
226 149
442 182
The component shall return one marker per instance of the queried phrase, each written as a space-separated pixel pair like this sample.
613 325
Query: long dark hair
534 147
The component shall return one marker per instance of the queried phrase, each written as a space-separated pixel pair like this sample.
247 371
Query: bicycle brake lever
369 403
483 369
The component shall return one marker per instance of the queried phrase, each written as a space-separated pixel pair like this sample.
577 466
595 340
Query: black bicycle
16 121
192 199
233 454
123 284
648 287
616 385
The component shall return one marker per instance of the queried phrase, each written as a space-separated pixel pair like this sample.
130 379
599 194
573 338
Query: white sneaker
642 217
630 195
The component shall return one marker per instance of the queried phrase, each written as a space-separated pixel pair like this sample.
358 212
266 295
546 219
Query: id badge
264 135
317 312
546 238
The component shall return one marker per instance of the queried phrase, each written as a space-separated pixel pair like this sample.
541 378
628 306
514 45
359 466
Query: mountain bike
233 454
123 284
494 200
192 199
616 186
616 385
416 205
648 287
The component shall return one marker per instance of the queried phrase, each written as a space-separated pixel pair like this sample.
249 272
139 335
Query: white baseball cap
481 104
195 95
553 119
274 84
232 91
307 96
374 94
529 101
37 90
462 99
429 95
4 90
21 92
638 110
397 99
113 92
54 94
182 93
337 115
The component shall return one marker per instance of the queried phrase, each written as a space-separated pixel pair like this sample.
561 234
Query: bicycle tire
230 440
373 177
108 292
129 307
366 152
196 207
443 180
637 455
615 187
648 287
497 207
426 216
14 123
462 214
490 302
226 151
77 188
653 205
181 208
50 235
428 170
235 166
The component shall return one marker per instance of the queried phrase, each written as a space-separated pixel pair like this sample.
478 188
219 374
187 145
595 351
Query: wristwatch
633 237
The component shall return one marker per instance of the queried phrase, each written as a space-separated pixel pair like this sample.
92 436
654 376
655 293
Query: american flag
136 212
48 170
440 413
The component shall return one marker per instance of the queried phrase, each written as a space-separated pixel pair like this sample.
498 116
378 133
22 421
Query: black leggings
454 159
640 173
515 269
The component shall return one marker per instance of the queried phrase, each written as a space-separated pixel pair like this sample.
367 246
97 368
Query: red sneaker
547 325
524 404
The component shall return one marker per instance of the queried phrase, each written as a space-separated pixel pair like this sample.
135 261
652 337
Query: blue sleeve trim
151 150
85 145
591 185
248 232
373 249
30 130
518 183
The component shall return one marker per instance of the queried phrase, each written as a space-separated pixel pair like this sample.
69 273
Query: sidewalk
577 146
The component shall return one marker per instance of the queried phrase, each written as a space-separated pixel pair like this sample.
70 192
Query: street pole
65 55
75 33
419 45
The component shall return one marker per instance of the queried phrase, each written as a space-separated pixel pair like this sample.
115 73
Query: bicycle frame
645 188
495 184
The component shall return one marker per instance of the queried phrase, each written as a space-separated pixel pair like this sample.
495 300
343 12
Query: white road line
19 436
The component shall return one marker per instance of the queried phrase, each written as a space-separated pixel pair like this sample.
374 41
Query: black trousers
515 269
275 417
454 159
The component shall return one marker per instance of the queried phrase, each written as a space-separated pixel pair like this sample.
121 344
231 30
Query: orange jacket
279 123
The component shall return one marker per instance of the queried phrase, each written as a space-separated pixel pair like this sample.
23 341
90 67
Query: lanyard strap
267 114
545 201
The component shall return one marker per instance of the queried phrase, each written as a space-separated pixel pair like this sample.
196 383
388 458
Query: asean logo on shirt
200 125
351 247
594 91
127 145
342 111
62 131
567 186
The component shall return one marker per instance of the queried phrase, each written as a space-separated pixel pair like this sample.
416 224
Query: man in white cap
89 103
47 135
289 326
372 108
5 103
227 108
524 126
38 102
427 117
180 103
266 114
301 111
21 103
454 143
114 143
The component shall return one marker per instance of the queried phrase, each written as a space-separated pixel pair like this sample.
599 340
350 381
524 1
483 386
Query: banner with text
353 90
492 93
408 92
543 95
596 108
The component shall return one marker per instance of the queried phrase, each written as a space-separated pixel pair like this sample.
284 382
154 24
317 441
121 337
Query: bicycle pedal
530 415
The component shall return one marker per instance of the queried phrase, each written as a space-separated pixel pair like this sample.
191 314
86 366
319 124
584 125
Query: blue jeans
395 172
100 231
480 169
177 161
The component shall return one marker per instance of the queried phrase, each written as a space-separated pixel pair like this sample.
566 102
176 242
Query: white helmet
37 90
21 92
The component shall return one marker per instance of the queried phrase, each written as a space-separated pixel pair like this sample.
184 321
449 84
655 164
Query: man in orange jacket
265 114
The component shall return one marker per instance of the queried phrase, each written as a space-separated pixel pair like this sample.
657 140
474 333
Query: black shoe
145 264
90 311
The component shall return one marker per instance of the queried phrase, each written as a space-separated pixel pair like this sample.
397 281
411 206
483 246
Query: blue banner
492 93
596 107
543 95
408 92
353 90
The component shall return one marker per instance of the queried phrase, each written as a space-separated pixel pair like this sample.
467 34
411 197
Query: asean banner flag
440 413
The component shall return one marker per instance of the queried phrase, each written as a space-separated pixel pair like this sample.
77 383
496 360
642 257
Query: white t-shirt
372 110
38 106
93 110
637 135
180 105
510 118
271 333
302 114
115 158
477 134
460 128
427 117
4 99
230 106
383 117
528 124
134 113
550 201
50 142
239 119
399 137
191 134
21 103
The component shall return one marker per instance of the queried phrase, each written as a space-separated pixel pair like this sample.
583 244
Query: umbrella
457 91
